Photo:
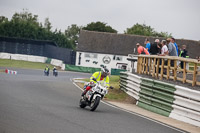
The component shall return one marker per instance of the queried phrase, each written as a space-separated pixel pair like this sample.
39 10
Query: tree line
26 25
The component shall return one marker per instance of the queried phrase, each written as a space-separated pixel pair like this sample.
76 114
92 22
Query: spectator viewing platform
160 67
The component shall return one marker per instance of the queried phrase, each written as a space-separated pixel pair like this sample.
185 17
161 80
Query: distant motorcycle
55 73
93 97
46 73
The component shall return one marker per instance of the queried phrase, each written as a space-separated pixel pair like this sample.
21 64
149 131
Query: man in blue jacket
173 41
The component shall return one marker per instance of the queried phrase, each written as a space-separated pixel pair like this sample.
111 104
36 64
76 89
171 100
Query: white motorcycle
55 73
94 95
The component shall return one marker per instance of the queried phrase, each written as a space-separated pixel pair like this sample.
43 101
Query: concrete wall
32 58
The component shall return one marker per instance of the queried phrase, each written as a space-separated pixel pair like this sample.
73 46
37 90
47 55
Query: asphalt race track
33 103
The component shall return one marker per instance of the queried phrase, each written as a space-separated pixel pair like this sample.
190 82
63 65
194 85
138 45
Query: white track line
135 113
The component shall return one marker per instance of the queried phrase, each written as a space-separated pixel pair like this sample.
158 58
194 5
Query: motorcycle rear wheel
95 104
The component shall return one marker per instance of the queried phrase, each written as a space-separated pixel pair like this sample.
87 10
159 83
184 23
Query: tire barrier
163 98
81 69
10 72
117 71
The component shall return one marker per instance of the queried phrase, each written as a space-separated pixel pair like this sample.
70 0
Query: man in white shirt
164 50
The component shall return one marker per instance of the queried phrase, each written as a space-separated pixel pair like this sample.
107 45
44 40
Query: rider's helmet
104 72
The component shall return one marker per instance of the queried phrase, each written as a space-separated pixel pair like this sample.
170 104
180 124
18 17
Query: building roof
107 43
122 44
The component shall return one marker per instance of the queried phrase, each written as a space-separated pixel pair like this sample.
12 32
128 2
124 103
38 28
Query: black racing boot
84 92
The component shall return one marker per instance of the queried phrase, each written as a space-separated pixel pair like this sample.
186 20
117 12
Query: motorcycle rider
46 70
99 76
55 73
54 69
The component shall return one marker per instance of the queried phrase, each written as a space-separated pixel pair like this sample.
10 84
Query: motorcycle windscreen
103 83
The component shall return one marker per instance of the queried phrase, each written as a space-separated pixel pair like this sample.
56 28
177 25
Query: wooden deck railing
160 67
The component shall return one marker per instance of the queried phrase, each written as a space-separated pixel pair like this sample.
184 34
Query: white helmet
104 72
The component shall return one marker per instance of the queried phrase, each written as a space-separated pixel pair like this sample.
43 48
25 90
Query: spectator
164 52
148 45
155 48
183 54
179 50
171 48
164 49
172 51
141 49
159 46
173 41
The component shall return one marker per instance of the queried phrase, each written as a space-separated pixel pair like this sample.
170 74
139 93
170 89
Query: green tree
72 33
139 29
25 16
99 26
47 24
3 19
26 25
3 25
163 34
143 29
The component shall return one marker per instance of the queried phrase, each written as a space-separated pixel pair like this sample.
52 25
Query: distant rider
55 73
99 76
46 70
54 69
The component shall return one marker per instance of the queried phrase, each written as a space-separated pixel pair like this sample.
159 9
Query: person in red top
141 49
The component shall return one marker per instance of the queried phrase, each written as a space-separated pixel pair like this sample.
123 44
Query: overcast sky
179 17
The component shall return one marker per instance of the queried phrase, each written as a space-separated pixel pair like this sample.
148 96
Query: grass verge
114 94
23 64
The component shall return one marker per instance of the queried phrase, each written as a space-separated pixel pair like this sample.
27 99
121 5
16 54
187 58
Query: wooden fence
162 67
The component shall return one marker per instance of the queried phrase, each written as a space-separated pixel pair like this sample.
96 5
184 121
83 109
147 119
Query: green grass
116 93
192 64
23 64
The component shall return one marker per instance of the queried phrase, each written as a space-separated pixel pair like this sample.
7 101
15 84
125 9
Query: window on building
89 55
118 58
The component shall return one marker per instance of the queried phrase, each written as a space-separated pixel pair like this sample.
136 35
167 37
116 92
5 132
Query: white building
98 49
97 60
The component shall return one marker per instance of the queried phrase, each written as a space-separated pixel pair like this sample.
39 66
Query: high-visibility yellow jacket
46 69
97 76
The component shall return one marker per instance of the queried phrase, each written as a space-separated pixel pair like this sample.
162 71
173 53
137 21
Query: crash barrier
23 57
162 67
33 58
163 98
48 60
81 69
10 72
116 71
56 62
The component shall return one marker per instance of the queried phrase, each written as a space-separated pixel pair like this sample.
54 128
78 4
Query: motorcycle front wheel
82 103
95 103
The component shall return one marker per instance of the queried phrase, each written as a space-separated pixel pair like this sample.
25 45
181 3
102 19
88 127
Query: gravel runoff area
188 85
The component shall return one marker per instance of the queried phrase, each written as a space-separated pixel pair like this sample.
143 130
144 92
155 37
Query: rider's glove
92 84
106 91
